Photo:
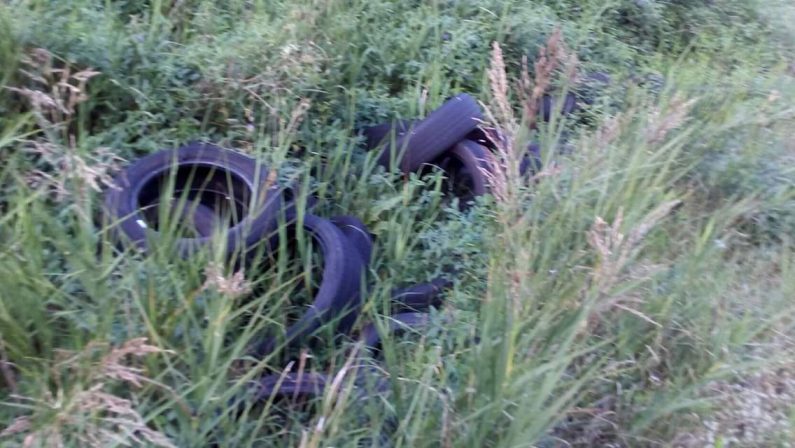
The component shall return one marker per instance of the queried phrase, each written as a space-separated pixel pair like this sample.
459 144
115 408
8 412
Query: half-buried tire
431 137
379 134
467 165
202 180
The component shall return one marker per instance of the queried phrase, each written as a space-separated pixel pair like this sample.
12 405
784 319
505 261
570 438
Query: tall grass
609 300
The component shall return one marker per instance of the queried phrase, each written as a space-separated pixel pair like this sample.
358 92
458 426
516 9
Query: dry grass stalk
301 369
675 115
84 412
65 167
233 287
297 116
498 79
615 251
113 367
17 426
55 92
94 418
548 61
53 95
504 176
335 399
503 118
506 182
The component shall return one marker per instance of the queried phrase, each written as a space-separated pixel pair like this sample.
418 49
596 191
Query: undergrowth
618 297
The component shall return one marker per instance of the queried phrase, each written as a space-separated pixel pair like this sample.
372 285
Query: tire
584 92
305 385
370 388
339 294
467 165
131 206
420 297
368 381
442 129
547 105
531 162
375 136
358 234
466 158
362 242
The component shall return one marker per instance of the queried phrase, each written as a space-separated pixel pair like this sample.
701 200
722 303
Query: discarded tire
443 128
531 162
214 192
374 136
420 297
309 385
339 294
548 104
469 167
305 384
358 235
216 184
582 93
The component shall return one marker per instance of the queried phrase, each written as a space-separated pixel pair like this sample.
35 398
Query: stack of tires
203 193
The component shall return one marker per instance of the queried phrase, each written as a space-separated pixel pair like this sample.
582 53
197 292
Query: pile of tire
215 193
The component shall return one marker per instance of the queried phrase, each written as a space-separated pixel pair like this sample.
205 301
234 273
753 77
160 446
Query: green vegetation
637 292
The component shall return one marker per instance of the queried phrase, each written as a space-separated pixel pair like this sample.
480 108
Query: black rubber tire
485 137
584 92
473 164
420 297
358 234
442 129
306 385
471 153
591 85
369 384
339 294
375 136
531 162
547 106
122 208
398 322
313 385
362 242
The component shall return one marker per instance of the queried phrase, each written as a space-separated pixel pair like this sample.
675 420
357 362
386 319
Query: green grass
612 300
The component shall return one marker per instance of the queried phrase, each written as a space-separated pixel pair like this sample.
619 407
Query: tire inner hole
194 200
458 181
